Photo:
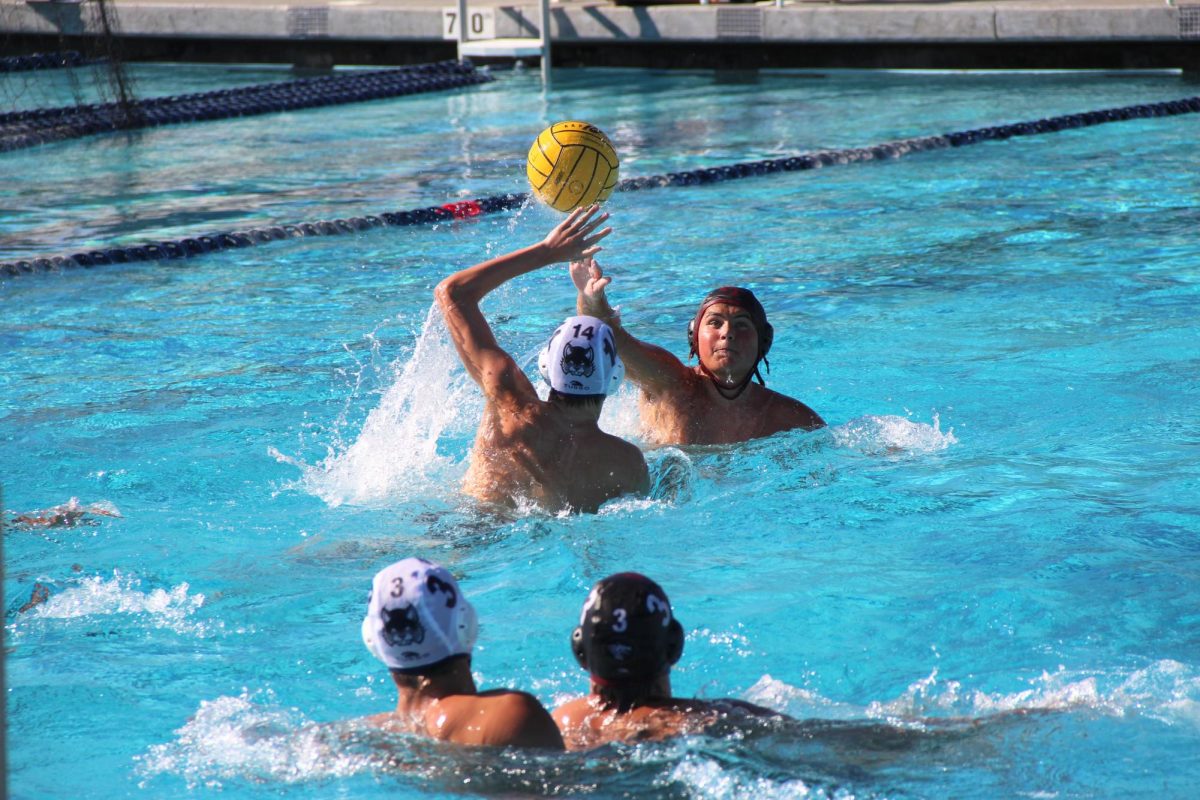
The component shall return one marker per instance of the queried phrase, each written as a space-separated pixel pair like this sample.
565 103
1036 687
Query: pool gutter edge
1081 34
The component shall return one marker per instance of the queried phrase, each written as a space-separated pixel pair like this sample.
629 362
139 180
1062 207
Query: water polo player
715 402
551 452
628 639
419 624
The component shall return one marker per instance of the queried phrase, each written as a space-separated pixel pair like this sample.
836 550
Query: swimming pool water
1002 516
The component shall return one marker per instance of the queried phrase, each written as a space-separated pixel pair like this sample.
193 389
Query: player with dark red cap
628 639
715 402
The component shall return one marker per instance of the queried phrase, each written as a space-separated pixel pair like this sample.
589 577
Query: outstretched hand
576 236
590 281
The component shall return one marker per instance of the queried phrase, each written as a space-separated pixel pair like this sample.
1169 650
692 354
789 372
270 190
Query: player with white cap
549 451
422 628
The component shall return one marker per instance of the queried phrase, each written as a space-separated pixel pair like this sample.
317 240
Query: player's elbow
449 294
443 293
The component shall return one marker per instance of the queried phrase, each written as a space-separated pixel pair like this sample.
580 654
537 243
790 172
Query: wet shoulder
511 717
781 412
573 712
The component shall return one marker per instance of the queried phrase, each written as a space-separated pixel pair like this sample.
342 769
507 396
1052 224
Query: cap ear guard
618 375
578 648
467 625
674 642
368 635
544 363
544 356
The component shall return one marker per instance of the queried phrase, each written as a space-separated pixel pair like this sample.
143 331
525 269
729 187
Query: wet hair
595 401
622 696
410 677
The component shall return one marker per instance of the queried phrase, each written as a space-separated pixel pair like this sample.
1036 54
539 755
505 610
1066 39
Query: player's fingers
597 236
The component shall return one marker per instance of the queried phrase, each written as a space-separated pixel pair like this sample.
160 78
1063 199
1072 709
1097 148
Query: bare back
552 453
497 718
537 450
586 722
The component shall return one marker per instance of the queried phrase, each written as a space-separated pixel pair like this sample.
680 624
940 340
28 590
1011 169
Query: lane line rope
193 246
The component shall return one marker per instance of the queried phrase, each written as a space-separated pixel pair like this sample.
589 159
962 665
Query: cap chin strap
735 392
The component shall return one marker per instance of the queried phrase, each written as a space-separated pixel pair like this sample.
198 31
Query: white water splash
241 737
797 702
706 778
395 457
892 435
95 596
933 697
620 415
1166 690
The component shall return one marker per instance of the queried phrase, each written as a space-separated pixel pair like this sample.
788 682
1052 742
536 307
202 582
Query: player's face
727 341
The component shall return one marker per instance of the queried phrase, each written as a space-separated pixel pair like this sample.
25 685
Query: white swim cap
416 616
581 358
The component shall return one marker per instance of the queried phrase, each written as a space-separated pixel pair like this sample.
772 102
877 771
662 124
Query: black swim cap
743 299
627 631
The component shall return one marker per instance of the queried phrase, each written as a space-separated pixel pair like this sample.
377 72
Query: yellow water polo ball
572 164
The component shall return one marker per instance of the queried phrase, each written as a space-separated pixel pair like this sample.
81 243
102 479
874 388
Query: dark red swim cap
627 631
740 298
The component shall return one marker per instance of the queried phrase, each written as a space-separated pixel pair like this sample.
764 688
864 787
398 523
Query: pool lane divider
466 209
35 61
20 129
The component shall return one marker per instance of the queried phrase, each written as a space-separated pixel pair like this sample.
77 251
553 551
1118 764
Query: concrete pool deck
1034 34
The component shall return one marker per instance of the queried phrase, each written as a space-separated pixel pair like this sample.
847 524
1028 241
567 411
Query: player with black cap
715 402
628 639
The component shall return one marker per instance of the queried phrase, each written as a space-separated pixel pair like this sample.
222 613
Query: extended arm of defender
460 294
647 365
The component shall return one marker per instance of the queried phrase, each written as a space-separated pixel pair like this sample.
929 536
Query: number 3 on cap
654 604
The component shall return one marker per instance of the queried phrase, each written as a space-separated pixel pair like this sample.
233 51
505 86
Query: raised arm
460 294
649 366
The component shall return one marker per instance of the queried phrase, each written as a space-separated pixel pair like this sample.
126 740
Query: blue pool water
1002 516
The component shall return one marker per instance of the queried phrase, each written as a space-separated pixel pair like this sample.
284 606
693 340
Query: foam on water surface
95 597
250 738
